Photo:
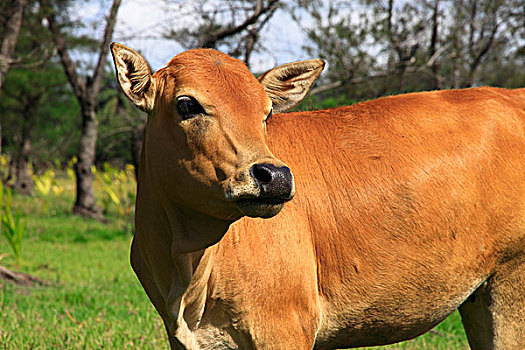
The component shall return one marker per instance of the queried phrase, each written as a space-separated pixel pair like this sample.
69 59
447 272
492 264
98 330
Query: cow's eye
269 116
188 107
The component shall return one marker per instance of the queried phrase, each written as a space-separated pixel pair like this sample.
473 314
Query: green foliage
117 120
315 102
43 182
12 227
338 38
39 102
48 187
118 188
4 168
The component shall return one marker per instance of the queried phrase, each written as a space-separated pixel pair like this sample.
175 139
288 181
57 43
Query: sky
140 20
140 25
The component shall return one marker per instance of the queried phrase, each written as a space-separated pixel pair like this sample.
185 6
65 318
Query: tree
28 99
433 49
234 26
338 38
86 91
121 127
377 47
13 11
29 81
38 110
481 29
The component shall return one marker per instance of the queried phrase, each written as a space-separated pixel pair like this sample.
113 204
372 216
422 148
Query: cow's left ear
287 85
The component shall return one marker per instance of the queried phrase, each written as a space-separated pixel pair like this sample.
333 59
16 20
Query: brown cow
406 208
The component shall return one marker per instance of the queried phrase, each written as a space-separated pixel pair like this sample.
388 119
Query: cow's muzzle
275 183
273 186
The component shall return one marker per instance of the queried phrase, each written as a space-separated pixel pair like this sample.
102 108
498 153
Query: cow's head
205 143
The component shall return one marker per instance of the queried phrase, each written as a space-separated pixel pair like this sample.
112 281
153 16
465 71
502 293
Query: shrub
12 227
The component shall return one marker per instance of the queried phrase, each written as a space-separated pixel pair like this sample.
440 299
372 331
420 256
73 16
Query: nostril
221 175
273 182
261 173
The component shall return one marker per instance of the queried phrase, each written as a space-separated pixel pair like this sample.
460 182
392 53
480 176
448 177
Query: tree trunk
455 75
7 47
10 37
85 204
402 76
86 92
24 183
436 77
469 81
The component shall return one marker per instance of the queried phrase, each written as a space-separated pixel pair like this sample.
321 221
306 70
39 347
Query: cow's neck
187 297
193 231
183 233
182 256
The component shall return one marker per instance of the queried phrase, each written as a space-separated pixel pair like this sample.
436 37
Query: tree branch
251 38
212 38
360 80
486 47
78 85
96 80
432 60
339 83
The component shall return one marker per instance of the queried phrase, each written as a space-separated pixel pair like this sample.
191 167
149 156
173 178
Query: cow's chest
211 338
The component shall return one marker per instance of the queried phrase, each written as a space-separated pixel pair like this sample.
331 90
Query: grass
448 335
94 300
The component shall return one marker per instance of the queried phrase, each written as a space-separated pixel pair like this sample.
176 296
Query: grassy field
93 300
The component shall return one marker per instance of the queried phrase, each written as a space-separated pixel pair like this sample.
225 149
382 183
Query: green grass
94 300
448 335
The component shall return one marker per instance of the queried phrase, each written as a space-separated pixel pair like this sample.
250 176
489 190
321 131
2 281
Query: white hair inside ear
134 76
287 85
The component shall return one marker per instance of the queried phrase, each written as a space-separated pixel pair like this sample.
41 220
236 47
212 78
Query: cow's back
404 205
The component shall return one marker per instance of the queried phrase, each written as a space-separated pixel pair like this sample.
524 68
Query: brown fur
405 206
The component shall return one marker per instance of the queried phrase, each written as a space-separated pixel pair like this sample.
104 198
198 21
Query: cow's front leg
494 315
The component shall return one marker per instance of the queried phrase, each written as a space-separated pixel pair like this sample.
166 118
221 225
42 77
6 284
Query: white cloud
140 26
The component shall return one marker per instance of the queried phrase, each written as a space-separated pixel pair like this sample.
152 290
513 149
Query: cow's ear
287 85
134 76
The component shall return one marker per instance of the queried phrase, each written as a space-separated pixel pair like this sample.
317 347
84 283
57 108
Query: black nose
274 182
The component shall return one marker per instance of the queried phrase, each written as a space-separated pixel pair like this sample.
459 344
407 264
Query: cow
354 226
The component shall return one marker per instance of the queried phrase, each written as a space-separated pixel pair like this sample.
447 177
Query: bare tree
338 38
403 30
86 91
234 26
367 42
479 27
411 45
